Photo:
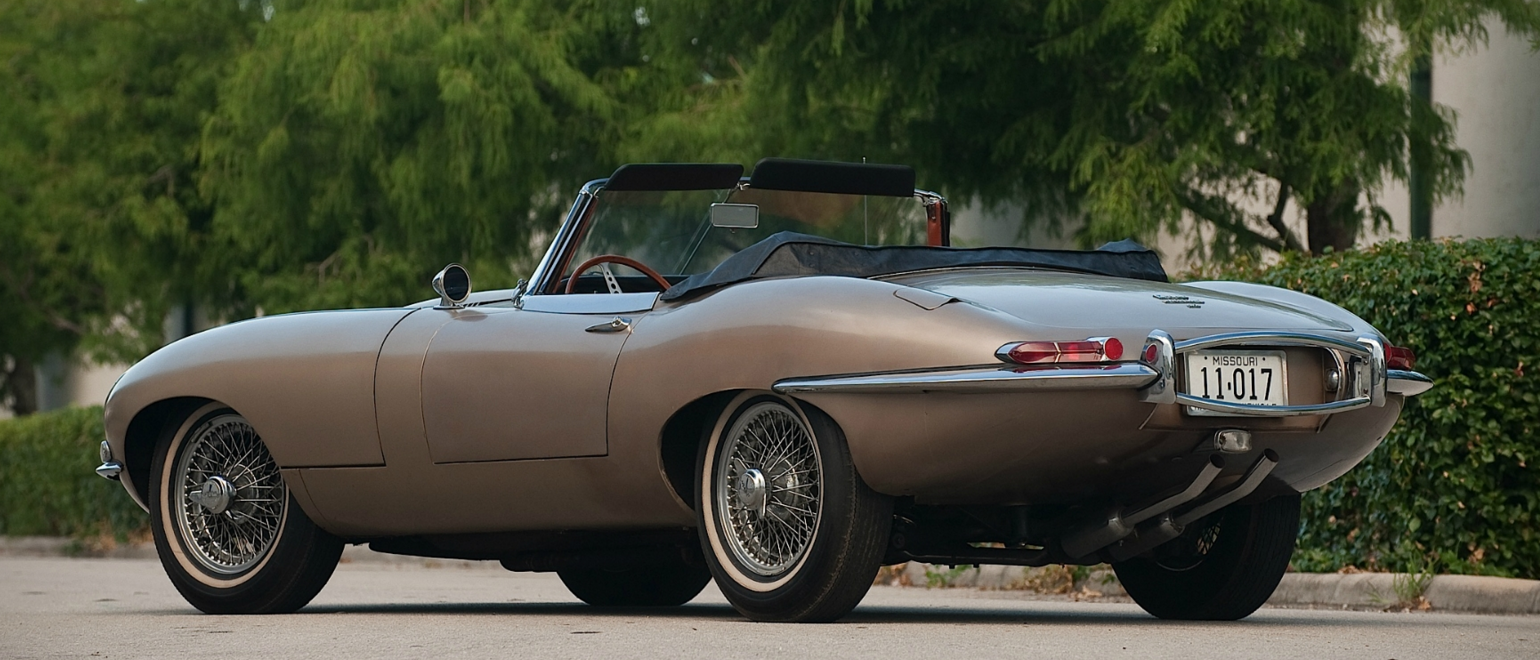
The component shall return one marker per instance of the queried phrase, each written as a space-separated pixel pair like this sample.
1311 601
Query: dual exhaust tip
1131 531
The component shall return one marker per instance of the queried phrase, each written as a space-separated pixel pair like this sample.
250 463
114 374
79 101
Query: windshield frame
564 245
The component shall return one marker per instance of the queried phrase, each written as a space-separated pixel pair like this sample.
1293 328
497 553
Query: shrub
1451 486
47 482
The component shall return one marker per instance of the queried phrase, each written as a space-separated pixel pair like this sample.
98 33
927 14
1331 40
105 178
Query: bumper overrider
109 469
1361 362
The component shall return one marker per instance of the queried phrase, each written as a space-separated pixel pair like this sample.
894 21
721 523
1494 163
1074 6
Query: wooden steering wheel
616 259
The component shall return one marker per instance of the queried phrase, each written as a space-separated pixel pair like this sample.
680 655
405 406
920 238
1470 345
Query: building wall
1495 93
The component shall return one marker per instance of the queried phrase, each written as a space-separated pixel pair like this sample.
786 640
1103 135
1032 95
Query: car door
528 382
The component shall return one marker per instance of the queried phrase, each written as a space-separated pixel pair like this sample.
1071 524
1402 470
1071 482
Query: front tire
229 534
1222 570
788 527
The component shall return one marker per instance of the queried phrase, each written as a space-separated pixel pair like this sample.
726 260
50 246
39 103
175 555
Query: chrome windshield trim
109 470
1113 375
540 278
1407 383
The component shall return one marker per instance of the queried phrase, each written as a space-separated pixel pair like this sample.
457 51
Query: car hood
1093 302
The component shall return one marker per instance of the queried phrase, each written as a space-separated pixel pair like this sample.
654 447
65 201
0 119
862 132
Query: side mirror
735 216
453 286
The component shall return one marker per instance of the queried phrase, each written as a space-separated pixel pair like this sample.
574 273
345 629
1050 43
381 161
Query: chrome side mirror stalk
453 285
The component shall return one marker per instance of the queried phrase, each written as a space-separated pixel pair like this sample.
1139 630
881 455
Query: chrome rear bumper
1366 378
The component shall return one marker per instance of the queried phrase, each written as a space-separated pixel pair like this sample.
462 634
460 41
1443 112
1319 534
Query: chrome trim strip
1113 375
1271 339
109 470
1273 411
1406 383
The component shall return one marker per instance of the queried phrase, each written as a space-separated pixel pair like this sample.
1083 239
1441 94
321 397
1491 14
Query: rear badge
1194 303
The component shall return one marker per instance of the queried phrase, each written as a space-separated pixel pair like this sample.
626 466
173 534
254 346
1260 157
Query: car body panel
306 380
511 384
1072 300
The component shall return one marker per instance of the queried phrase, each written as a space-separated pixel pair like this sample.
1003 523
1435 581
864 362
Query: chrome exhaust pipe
1117 524
1263 467
1169 526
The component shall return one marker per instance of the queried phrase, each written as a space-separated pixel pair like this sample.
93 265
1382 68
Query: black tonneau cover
789 254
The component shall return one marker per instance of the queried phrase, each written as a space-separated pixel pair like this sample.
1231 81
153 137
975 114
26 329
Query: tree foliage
359 146
274 156
101 225
1139 114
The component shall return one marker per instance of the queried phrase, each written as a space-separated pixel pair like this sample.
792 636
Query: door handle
617 324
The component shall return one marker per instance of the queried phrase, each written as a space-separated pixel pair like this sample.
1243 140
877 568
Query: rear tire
669 584
229 534
788 527
1223 569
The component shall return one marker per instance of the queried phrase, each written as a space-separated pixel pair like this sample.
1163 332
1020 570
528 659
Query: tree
1139 114
101 227
360 146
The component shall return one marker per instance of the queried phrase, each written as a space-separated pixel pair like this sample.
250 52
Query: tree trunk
18 386
1333 220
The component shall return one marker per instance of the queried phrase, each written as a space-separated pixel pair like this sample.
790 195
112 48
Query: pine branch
1276 220
1224 216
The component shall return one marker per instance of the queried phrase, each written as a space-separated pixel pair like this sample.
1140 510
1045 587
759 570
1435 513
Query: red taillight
1151 352
1089 350
1400 358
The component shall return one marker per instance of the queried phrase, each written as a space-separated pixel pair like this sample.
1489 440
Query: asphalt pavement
126 608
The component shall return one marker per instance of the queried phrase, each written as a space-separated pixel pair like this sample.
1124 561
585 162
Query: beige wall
1495 93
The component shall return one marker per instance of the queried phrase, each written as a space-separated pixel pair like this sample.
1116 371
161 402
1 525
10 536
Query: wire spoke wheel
788 528
227 529
769 495
229 499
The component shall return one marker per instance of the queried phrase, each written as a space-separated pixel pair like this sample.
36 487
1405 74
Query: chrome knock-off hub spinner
753 494
215 496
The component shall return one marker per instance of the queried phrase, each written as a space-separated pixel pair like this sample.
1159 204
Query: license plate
1255 378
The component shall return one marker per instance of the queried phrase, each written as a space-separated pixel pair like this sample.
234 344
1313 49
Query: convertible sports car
793 382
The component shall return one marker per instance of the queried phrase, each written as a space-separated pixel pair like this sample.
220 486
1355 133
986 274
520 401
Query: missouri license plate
1255 378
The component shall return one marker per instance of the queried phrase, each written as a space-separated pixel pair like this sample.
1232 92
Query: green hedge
1452 487
48 483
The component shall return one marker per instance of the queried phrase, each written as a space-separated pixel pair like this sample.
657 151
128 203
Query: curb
1373 591
1443 593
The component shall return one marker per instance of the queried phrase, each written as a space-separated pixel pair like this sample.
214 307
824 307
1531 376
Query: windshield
672 231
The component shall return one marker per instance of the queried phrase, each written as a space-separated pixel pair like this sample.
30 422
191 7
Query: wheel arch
681 438
146 428
686 430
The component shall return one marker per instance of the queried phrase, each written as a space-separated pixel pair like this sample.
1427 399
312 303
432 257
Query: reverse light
1095 349
1399 358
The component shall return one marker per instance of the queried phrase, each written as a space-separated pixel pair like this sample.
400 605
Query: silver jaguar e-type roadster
783 382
